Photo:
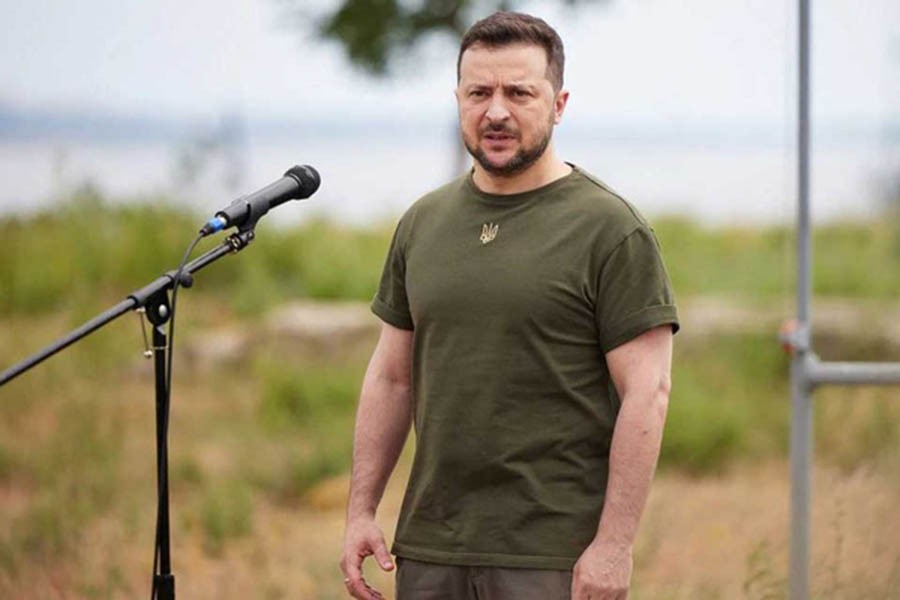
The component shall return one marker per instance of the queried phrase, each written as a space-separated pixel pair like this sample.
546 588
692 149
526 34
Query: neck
546 169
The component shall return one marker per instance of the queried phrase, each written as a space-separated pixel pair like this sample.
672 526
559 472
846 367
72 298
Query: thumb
383 556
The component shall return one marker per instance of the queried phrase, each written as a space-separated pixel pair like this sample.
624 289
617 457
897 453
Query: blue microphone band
213 225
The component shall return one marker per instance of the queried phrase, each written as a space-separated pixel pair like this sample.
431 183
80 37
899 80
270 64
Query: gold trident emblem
489 232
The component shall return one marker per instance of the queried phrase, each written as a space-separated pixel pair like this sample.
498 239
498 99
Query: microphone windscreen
307 177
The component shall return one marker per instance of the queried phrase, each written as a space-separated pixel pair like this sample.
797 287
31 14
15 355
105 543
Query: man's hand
603 572
363 538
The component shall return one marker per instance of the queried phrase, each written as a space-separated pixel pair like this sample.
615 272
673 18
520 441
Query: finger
363 591
360 590
351 565
373 593
354 580
383 556
355 586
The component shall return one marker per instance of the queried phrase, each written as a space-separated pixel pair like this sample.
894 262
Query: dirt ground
722 537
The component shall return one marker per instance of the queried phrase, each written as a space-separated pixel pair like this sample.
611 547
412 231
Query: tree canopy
373 32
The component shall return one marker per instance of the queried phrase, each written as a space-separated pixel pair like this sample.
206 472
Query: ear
456 92
559 105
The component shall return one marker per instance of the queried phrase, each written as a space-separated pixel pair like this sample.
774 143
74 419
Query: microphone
298 183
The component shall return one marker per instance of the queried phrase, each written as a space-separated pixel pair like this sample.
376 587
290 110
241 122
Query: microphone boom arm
137 299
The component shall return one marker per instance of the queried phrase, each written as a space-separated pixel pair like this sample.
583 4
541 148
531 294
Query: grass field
87 249
260 448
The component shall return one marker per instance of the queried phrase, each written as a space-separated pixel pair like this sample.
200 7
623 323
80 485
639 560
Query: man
527 333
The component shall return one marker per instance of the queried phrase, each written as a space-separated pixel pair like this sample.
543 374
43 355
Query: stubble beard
521 160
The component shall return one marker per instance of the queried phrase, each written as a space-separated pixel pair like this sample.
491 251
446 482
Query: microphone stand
154 299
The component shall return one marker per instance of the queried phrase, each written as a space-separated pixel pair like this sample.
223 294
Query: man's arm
382 424
640 370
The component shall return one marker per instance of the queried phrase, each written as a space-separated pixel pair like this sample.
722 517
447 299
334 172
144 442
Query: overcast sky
634 59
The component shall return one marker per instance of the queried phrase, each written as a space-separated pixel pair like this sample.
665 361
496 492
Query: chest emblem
489 232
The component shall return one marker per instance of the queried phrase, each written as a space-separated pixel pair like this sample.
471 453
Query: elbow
650 400
401 388
397 385
660 401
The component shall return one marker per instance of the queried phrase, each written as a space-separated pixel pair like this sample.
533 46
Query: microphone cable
167 392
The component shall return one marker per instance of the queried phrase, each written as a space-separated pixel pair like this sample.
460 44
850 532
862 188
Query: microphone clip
254 211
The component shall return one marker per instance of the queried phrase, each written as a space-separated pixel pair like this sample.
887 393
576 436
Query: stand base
165 587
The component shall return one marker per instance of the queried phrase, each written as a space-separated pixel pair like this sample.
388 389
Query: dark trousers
428 581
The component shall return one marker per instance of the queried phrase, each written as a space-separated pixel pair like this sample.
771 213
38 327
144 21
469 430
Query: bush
226 513
729 400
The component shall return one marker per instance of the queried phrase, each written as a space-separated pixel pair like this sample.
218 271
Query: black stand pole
163 579
154 298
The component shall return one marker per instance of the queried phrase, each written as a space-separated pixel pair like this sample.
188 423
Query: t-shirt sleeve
634 294
390 303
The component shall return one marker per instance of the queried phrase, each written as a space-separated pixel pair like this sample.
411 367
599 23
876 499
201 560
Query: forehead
517 62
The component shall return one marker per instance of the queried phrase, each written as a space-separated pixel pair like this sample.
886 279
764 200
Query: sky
634 60
687 107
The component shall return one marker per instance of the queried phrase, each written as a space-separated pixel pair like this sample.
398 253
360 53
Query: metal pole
163 579
801 410
851 373
801 451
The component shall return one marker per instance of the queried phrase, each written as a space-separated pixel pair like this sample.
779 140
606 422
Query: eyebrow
508 87
529 87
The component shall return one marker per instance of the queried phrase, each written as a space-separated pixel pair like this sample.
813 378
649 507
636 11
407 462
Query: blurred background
124 125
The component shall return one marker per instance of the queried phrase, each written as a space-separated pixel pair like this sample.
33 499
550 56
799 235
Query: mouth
498 136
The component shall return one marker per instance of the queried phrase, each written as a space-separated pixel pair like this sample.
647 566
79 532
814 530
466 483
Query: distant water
373 177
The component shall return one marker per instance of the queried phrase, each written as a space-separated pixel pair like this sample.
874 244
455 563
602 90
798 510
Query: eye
477 94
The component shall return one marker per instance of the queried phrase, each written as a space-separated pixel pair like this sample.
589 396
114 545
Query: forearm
382 425
633 457
640 371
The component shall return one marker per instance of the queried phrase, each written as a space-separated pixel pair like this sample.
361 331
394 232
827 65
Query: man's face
507 107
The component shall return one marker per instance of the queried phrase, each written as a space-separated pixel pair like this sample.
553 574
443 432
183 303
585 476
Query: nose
497 110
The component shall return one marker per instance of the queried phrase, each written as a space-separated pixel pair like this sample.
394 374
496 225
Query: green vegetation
728 401
226 512
88 251
851 260
71 477
76 440
316 405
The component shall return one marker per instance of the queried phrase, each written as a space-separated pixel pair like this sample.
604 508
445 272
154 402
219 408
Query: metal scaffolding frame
807 371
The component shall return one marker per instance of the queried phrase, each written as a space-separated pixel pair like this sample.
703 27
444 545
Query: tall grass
316 404
87 249
727 402
852 259
70 478
84 249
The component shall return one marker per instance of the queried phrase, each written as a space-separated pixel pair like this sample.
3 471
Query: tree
373 32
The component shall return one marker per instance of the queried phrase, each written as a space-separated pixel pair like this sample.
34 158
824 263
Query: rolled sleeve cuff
638 323
390 315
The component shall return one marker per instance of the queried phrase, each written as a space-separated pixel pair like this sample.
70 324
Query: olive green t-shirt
513 301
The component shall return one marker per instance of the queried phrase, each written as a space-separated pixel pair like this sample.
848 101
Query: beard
520 161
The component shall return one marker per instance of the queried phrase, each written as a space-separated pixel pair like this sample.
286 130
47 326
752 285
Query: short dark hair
505 28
